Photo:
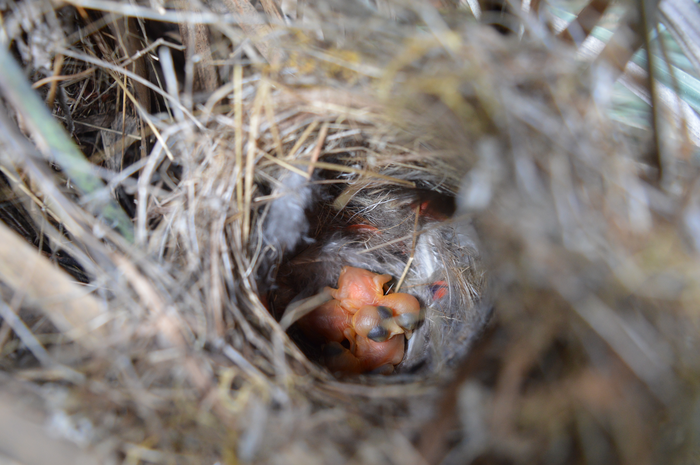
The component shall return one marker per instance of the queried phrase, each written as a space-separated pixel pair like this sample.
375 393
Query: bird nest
148 314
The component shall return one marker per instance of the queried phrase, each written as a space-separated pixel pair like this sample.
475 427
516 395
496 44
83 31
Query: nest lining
377 230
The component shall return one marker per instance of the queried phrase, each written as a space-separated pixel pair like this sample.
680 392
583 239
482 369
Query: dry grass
242 165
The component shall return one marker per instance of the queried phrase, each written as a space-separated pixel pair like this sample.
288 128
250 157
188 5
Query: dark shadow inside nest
409 233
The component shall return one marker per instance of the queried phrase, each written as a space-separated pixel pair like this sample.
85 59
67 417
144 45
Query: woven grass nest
181 174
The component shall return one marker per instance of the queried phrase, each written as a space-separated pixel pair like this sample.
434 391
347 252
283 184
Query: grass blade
56 145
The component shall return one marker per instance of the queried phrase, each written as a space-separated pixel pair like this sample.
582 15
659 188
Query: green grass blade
56 145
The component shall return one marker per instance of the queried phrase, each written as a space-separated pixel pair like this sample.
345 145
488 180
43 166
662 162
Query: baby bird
361 328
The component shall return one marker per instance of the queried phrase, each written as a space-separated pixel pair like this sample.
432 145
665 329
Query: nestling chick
361 328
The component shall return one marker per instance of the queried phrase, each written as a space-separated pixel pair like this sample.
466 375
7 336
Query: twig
67 305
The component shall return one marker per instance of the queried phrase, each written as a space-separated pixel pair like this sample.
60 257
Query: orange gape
361 328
